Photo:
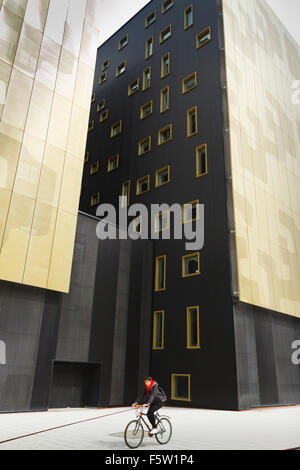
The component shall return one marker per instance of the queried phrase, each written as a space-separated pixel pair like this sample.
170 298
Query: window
87 157
126 193
123 42
105 65
158 330
113 163
162 222
91 126
150 19
165 135
201 161
146 110
181 387
103 78
165 100
121 69
192 122
134 87
94 168
143 185
93 98
147 79
167 5
162 177
149 47
193 328
165 65
165 34
190 212
204 37
95 199
188 17
191 265
189 83
160 273
144 146
104 116
116 129
101 106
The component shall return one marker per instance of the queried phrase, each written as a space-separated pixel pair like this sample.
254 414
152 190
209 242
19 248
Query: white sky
117 12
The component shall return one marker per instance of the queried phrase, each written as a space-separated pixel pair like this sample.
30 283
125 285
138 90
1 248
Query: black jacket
155 396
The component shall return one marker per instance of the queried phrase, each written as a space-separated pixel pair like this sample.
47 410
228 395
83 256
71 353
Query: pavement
193 429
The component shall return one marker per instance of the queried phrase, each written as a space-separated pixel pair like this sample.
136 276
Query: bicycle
134 432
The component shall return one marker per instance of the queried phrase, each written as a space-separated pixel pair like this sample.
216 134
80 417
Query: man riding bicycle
155 398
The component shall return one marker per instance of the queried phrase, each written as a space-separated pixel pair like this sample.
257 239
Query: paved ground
271 429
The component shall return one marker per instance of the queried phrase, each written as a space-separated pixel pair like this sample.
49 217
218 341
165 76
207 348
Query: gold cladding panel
262 64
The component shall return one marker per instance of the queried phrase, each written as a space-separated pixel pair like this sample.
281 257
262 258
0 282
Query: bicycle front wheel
164 434
134 434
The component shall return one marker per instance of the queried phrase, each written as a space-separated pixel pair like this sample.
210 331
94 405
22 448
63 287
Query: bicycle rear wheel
164 434
134 434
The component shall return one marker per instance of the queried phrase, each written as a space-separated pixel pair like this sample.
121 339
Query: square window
104 116
134 87
167 5
188 17
105 65
143 185
160 273
165 100
93 98
204 37
121 69
149 47
113 163
193 328
191 265
147 79
181 387
101 106
123 42
165 135
87 157
95 199
144 146
165 34
126 193
91 126
146 110
165 65
158 330
190 212
116 129
192 122
189 83
201 161
162 177
103 78
150 19
94 168
162 222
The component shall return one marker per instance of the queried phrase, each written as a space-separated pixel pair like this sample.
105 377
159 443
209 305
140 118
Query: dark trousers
153 408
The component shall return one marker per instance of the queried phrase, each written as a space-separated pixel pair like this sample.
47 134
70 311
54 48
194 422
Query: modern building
192 103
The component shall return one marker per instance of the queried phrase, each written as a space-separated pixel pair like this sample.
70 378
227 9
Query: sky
118 12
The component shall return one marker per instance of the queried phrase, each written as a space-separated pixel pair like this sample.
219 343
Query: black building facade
159 134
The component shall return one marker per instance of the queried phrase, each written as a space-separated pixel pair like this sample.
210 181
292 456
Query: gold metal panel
51 176
5 196
5 72
36 13
67 72
10 30
78 131
10 145
28 49
59 122
39 111
71 184
48 63
17 100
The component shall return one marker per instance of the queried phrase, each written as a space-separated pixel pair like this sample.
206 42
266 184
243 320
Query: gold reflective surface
47 60
263 64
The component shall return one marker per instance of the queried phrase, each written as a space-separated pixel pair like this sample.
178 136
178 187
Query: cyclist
155 398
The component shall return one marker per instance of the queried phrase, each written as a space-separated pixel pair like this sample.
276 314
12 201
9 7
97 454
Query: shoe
153 431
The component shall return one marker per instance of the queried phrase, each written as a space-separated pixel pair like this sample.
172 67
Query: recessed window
93 98
94 168
162 177
144 146
193 328
149 47
126 193
150 19
181 387
113 163
165 100
105 65
147 79
191 265
165 135
167 5
143 185
165 34
121 69
158 330
192 122
162 222
204 37
189 83
116 129
201 161
190 212
134 87
91 126
188 17
160 273
95 199
101 106
87 157
165 65
123 42
104 115
146 110
103 78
